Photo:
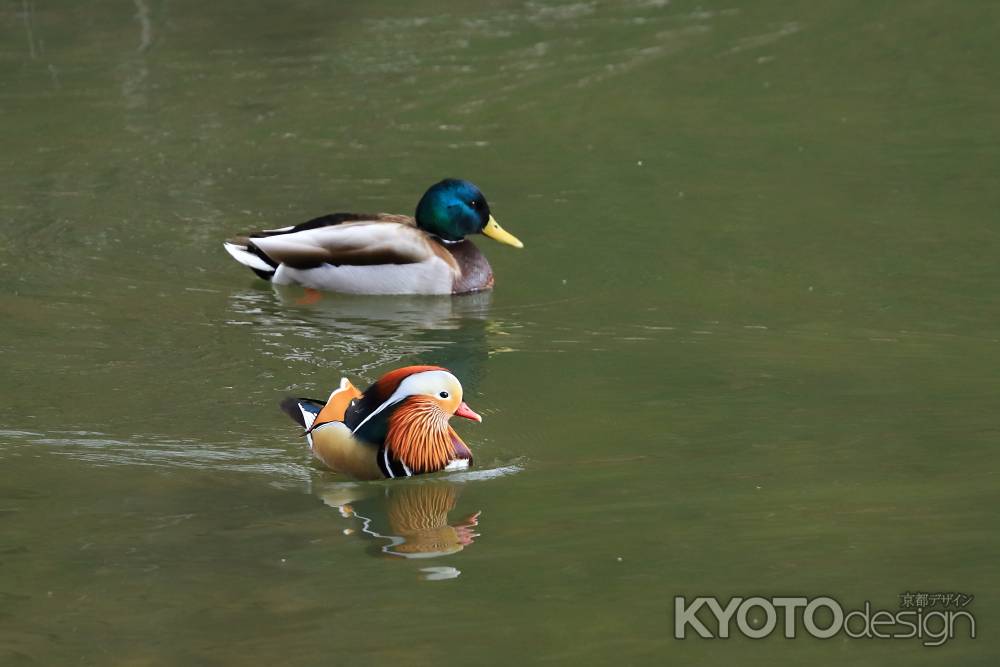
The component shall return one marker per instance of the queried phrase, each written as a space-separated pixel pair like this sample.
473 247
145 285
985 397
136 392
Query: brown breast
475 273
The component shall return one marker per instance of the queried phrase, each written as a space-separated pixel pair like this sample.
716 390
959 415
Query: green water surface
751 347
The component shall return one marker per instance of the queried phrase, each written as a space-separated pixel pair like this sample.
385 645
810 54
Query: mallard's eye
443 394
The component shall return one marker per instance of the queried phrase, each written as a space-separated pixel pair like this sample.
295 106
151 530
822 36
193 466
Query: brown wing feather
336 219
336 407
358 243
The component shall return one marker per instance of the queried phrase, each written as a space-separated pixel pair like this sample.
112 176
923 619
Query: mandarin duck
397 427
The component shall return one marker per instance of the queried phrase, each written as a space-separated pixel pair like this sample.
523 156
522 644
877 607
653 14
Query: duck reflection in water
415 312
408 519
372 333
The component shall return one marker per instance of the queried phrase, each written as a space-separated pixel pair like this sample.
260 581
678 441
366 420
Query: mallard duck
382 253
398 427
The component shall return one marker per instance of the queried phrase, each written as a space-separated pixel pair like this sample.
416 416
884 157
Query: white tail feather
308 418
246 258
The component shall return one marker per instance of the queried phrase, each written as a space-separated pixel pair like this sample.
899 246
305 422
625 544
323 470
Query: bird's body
398 427
383 253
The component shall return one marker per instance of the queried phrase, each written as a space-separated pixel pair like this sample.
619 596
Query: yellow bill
497 233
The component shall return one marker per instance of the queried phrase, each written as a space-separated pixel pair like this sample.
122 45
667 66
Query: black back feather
322 221
290 406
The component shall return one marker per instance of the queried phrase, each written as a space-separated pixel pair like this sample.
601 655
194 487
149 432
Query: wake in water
100 449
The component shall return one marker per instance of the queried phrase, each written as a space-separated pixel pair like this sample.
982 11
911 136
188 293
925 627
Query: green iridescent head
453 209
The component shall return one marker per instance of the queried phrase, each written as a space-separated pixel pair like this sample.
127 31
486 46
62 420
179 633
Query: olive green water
751 347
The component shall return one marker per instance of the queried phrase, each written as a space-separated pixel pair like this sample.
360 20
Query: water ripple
101 449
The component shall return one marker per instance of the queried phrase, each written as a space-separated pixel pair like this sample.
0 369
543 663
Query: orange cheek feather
419 435
335 408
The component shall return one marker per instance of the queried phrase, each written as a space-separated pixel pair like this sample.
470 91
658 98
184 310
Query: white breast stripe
385 459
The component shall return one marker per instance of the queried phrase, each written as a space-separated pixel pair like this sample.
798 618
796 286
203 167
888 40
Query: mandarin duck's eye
443 394
474 203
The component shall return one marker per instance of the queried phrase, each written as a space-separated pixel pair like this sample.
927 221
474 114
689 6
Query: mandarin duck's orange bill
398 427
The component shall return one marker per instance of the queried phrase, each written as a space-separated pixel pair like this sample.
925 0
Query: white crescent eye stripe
418 383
